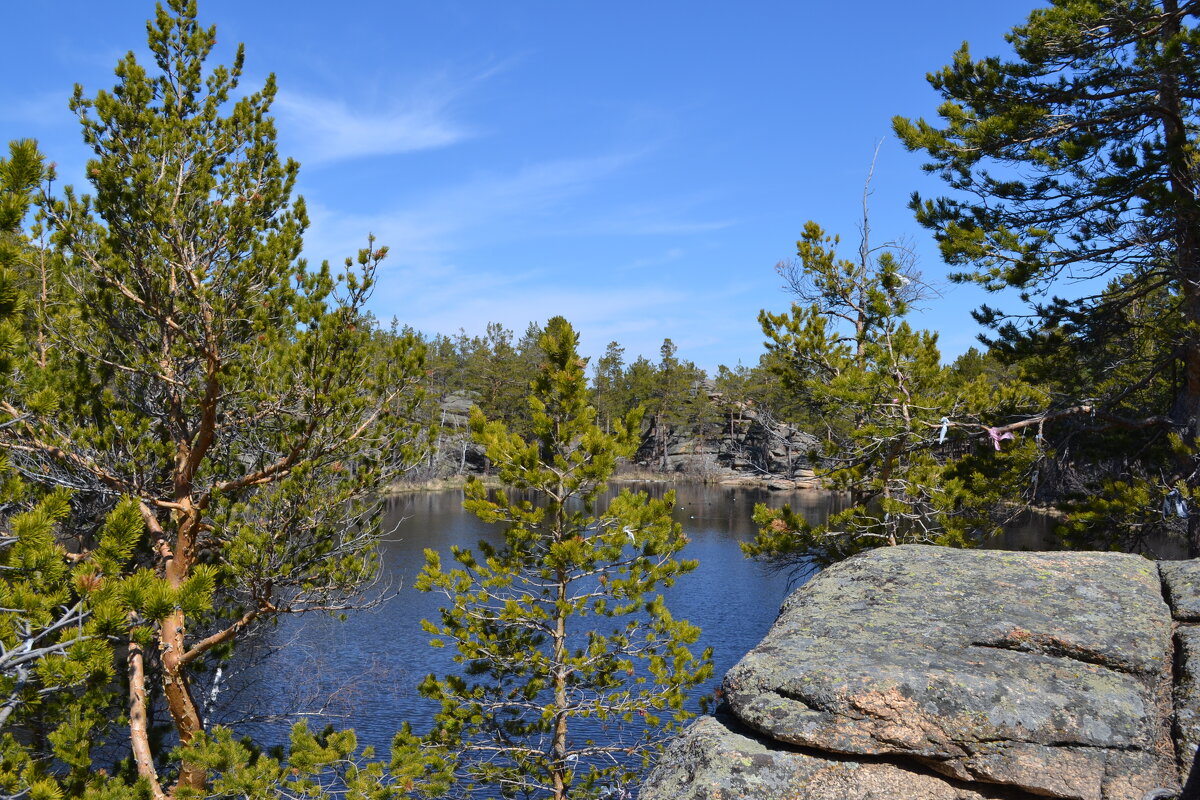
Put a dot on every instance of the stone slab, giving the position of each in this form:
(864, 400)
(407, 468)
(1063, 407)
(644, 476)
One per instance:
(1187, 692)
(715, 760)
(1046, 672)
(1181, 584)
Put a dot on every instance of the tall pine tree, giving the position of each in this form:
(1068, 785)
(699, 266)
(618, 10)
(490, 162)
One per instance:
(234, 392)
(561, 629)
(56, 656)
(1072, 169)
(896, 426)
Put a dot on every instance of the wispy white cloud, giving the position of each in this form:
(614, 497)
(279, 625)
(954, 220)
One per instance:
(329, 129)
(422, 117)
(483, 210)
(440, 276)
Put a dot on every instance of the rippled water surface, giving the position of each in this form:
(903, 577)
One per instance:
(363, 672)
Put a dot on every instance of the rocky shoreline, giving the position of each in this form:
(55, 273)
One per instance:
(805, 480)
(749, 449)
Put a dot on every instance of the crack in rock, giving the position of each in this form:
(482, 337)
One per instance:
(1020, 640)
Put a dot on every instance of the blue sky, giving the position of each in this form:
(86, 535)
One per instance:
(635, 167)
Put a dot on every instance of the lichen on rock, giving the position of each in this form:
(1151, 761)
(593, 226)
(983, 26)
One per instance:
(1045, 674)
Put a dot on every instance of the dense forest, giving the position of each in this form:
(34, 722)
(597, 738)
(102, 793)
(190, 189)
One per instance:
(687, 411)
(198, 425)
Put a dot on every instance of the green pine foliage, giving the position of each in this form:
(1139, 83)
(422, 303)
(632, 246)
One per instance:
(673, 389)
(319, 765)
(496, 372)
(20, 175)
(60, 610)
(561, 629)
(846, 351)
(493, 371)
(1072, 178)
(673, 393)
(607, 379)
(58, 662)
(238, 398)
(761, 388)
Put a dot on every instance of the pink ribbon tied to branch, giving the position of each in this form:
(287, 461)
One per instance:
(997, 436)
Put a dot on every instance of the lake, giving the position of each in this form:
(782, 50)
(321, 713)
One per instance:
(363, 672)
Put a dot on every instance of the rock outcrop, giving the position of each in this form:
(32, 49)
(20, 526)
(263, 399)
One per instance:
(742, 444)
(921, 672)
(746, 443)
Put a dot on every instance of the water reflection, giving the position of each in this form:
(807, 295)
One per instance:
(364, 671)
(1032, 531)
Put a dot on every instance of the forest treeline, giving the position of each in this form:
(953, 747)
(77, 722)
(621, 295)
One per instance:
(680, 400)
(683, 403)
(197, 424)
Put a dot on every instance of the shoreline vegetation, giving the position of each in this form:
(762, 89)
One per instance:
(630, 475)
(773, 483)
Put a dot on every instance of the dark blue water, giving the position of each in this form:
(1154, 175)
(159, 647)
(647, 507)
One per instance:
(363, 672)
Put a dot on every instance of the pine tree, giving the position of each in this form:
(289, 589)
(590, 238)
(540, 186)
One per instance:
(561, 628)
(496, 372)
(56, 663)
(608, 380)
(20, 176)
(1072, 168)
(701, 417)
(847, 352)
(233, 392)
(56, 653)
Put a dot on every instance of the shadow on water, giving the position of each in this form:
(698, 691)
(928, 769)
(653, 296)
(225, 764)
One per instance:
(1032, 531)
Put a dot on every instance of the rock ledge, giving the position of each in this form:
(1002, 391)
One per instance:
(922, 672)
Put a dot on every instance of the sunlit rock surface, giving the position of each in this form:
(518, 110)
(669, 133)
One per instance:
(921, 672)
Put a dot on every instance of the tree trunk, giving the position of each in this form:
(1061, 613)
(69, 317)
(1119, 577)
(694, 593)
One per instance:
(139, 726)
(558, 753)
(1173, 114)
(661, 435)
(184, 712)
(182, 706)
(1186, 416)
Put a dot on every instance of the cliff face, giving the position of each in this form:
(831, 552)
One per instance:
(920, 672)
(746, 443)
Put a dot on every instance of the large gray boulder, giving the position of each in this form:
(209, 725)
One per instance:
(921, 672)
(719, 758)
(1181, 582)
